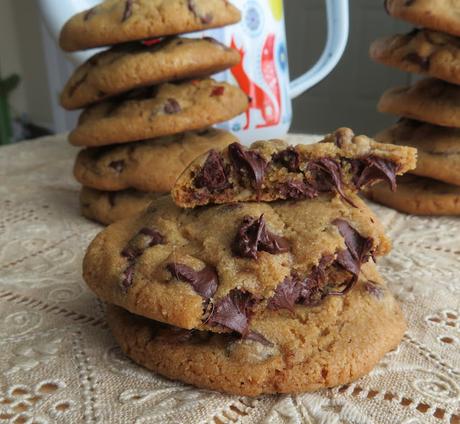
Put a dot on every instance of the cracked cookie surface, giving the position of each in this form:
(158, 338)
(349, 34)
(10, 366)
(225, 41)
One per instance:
(119, 21)
(158, 111)
(421, 51)
(191, 268)
(310, 349)
(273, 170)
(149, 165)
(133, 65)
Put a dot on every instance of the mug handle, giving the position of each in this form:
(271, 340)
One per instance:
(337, 38)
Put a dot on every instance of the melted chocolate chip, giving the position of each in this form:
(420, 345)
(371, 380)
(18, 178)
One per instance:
(358, 249)
(233, 312)
(171, 107)
(117, 165)
(286, 295)
(296, 189)
(112, 197)
(127, 278)
(153, 236)
(253, 236)
(128, 10)
(423, 62)
(371, 169)
(327, 175)
(313, 288)
(218, 91)
(288, 158)
(204, 282)
(248, 164)
(374, 289)
(212, 175)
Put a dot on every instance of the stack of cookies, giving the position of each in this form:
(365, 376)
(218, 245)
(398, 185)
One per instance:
(257, 274)
(149, 105)
(429, 109)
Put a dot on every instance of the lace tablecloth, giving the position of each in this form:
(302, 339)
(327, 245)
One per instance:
(59, 363)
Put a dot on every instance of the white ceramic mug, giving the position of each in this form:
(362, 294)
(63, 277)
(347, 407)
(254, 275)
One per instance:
(263, 72)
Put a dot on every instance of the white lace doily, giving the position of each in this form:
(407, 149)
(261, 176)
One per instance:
(59, 363)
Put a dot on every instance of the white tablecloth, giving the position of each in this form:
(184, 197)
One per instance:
(59, 363)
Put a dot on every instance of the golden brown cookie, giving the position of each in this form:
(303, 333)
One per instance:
(273, 170)
(120, 21)
(163, 110)
(129, 66)
(149, 165)
(428, 100)
(419, 196)
(187, 267)
(421, 51)
(308, 349)
(438, 148)
(107, 207)
(441, 15)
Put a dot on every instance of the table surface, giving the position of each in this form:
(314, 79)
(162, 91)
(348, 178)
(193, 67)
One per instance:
(59, 363)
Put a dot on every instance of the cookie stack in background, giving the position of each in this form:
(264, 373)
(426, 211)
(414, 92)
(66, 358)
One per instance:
(429, 110)
(270, 286)
(148, 102)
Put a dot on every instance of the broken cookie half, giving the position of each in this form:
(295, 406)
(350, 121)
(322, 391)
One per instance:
(273, 170)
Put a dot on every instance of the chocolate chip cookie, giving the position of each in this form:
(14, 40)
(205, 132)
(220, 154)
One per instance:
(421, 51)
(419, 196)
(438, 148)
(119, 21)
(158, 111)
(150, 165)
(440, 15)
(273, 170)
(309, 349)
(189, 267)
(107, 207)
(429, 100)
(133, 65)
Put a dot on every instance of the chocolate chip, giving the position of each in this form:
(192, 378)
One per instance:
(248, 164)
(358, 248)
(112, 198)
(289, 158)
(286, 295)
(172, 106)
(371, 169)
(131, 253)
(212, 175)
(374, 289)
(204, 282)
(313, 288)
(117, 165)
(127, 278)
(88, 15)
(296, 189)
(327, 175)
(154, 237)
(128, 10)
(218, 91)
(253, 236)
(423, 62)
(233, 312)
